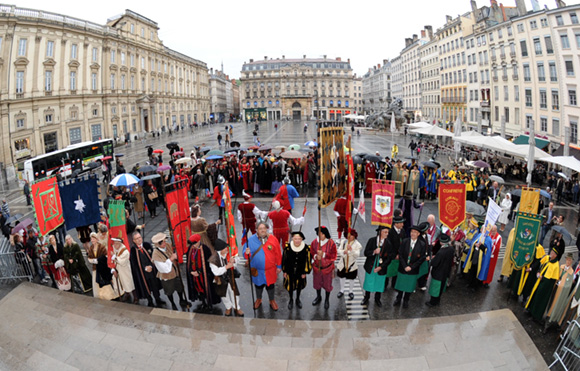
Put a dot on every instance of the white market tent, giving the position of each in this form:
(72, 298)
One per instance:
(499, 144)
(419, 125)
(569, 162)
(432, 130)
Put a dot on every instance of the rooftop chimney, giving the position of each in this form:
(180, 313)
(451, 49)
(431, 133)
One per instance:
(379, 66)
(338, 59)
(448, 18)
(474, 5)
(283, 57)
(348, 60)
(429, 31)
(385, 61)
(560, 4)
(423, 34)
(304, 56)
(521, 6)
(265, 57)
(251, 60)
(414, 37)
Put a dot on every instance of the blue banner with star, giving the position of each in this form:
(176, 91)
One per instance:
(80, 202)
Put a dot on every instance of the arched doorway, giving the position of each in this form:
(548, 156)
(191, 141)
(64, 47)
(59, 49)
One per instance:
(296, 111)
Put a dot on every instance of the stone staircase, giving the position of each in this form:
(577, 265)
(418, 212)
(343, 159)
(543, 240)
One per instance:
(46, 329)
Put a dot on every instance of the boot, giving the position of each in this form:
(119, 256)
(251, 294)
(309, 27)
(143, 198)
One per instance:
(318, 298)
(291, 303)
(326, 300)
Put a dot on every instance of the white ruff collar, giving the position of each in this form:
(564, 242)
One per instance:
(297, 248)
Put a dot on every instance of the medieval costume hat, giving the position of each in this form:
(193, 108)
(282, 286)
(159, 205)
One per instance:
(276, 205)
(424, 227)
(444, 238)
(220, 245)
(324, 231)
(287, 180)
(158, 238)
(194, 238)
(221, 179)
(298, 233)
(398, 219)
(381, 227)
(245, 195)
(417, 228)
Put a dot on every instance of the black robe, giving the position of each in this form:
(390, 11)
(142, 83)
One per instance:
(419, 254)
(265, 176)
(295, 264)
(196, 287)
(442, 263)
(145, 282)
(370, 257)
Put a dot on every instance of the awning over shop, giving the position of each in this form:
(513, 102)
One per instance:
(524, 139)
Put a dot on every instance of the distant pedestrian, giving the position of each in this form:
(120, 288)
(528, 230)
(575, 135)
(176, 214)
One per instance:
(219, 138)
(26, 190)
(5, 209)
(227, 140)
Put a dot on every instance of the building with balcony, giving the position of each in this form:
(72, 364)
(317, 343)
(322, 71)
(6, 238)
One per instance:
(397, 78)
(377, 87)
(297, 89)
(453, 65)
(411, 70)
(357, 94)
(430, 81)
(64, 81)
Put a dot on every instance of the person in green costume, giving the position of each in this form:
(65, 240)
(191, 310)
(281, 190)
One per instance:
(440, 269)
(412, 254)
(547, 277)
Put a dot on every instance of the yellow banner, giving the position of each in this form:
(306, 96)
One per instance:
(530, 200)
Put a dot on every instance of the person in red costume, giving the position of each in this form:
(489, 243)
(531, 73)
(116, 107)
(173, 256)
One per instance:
(370, 175)
(496, 244)
(246, 170)
(323, 251)
(278, 220)
(248, 212)
(265, 260)
(340, 212)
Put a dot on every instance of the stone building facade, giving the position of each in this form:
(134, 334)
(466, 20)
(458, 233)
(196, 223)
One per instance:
(296, 89)
(64, 81)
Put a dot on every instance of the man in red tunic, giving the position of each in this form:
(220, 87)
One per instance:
(248, 212)
(370, 175)
(340, 212)
(278, 220)
(323, 251)
(496, 245)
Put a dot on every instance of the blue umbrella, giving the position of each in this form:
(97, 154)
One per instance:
(214, 157)
(311, 144)
(124, 180)
(545, 194)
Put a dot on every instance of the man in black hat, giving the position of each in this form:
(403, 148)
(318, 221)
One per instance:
(396, 236)
(296, 264)
(412, 254)
(424, 270)
(440, 270)
(225, 283)
(376, 265)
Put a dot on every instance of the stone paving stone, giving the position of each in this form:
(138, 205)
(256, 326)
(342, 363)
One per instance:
(347, 365)
(41, 361)
(226, 362)
(407, 364)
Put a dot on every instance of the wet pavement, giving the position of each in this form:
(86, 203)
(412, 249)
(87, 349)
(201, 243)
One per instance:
(456, 301)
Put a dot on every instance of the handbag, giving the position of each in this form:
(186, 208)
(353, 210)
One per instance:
(153, 195)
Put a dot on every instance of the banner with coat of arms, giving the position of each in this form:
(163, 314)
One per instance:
(117, 227)
(47, 205)
(383, 204)
(526, 238)
(332, 164)
(451, 204)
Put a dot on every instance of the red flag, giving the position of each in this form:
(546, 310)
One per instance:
(229, 218)
(349, 190)
(179, 217)
(383, 202)
(47, 205)
(452, 204)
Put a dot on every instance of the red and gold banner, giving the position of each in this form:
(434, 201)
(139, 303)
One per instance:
(383, 204)
(349, 190)
(452, 197)
(230, 222)
(178, 217)
(47, 205)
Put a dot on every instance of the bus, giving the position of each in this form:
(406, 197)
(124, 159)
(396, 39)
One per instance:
(67, 160)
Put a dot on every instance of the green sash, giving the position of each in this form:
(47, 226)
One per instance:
(393, 268)
(406, 282)
(435, 287)
(424, 269)
(373, 281)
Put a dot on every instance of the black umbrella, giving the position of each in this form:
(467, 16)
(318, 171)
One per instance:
(76, 173)
(205, 149)
(357, 160)
(429, 164)
(13, 218)
(119, 154)
(171, 145)
(93, 165)
(151, 177)
(436, 163)
(362, 154)
(235, 144)
(147, 169)
(411, 157)
(373, 158)
(564, 232)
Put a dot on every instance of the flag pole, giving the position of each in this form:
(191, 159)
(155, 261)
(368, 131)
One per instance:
(303, 213)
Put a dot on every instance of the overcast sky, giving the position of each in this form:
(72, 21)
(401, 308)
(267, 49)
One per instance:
(234, 31)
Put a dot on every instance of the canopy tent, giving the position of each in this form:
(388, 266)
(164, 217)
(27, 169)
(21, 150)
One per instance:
(471, 134)
(524, 150)
(353, 116)
(523, 139)
(569, 162)
(432, 130)
(499, 144)
(419, 125)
